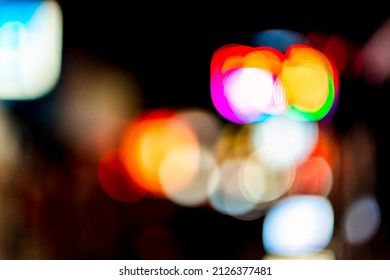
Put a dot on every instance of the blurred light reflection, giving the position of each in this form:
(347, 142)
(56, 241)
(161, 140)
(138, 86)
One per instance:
(361, 220)
(298, 225)
(30, 48)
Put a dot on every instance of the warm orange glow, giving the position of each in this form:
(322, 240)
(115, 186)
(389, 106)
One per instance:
(147, 144)
(305, 77)
(264, 58)
(326, 146)
(314, 176)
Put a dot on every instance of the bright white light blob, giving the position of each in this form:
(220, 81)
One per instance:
(298, 225)
(30, 48)
(262, 183)
(193, 191)
(285, 140)
(361, 220)
(251, 93)
(224, 193)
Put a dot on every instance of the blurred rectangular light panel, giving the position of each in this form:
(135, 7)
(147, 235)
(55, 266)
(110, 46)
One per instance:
(30, 48)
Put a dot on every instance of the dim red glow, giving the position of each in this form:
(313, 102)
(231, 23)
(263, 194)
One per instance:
(115, 180)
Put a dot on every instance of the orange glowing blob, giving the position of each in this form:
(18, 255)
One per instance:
(264, 58)
(327, 146)
(305, 76)
(153, 140)
(314, 176)
(179, 167)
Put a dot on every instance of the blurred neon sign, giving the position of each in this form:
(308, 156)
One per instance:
(250, 84)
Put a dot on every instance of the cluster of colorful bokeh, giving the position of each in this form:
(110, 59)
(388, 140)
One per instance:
(250, 84)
